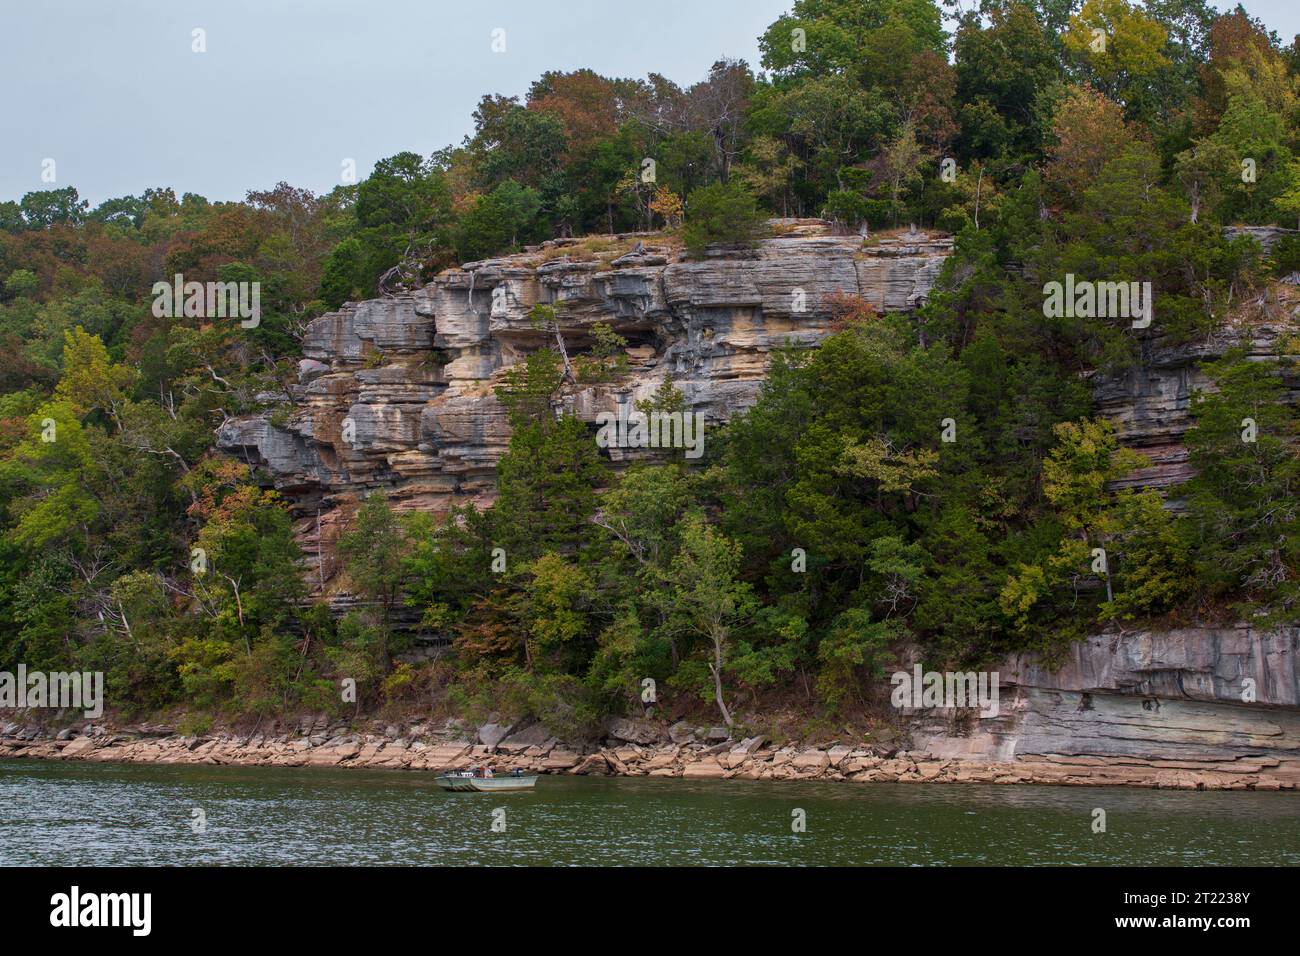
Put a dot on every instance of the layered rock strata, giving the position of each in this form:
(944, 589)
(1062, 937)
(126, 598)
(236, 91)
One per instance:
(1194, 708)
(1180, 699)
(398, 394)
(419, 747)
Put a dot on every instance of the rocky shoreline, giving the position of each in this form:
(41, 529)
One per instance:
(314, 743)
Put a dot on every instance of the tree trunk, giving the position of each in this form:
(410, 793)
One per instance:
(716, 669)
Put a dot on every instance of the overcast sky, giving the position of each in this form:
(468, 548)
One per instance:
(289, 89)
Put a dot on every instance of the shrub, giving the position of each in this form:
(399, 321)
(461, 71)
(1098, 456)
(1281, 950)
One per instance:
(847, 208)
(1286, 256)
(721, 213)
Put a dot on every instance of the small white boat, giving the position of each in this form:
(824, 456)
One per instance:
(468, 781)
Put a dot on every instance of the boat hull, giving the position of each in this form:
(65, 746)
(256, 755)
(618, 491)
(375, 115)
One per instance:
(458, 784)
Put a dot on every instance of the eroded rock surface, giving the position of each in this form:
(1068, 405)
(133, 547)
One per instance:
(398, 394)
(1194, 694)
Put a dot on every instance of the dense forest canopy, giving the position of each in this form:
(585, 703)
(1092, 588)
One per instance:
(1107, 139)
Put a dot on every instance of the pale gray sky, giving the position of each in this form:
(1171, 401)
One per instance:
(288, 89)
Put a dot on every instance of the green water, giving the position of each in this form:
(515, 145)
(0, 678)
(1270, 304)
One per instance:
(112, 814)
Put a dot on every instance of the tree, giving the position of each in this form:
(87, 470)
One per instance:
(1124, 49)
(374, 553)
(250, 582)
(404, 212)
(1252, 130)
(837, 34)
(1202, 171)
(515, 142)
(497, 222)
(1001, 71)
(51, 207)
(667, 205)
(832, 121)
(1243, 499)
(1088, 131)
(708, 600)
(50, 483)
(91, 382)
(546, 482)
(22, 283)
(717, 106)
(1243, 58)
(1086, 459)
(721, 213)
(585, 102)
(347, 275)
(1149, 559)
(558, 601)
(1288, 203)
(900, 162)
(769, 169)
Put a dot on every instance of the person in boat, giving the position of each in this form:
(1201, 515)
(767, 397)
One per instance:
(487, 771)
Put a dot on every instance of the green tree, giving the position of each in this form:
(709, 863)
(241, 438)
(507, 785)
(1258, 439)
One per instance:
(838, 34)
(374, 553)
(51, 207)
(708, 601)
(403, 211)
(721, 213)
(1243, 498)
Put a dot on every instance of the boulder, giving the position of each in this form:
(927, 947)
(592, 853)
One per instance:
(592, 765)
(78, 748)
(642, 732)
(706, 769)
(811, 761)
(491, 734)
(660, 760)
(681, 733)
(837, 755)
(560, 760)
(309, 369)
(534, 738)
(439, 758)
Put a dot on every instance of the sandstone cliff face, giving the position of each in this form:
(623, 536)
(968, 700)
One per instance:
(1194, 698)
(397, 393)
(1150, 403)
(1162, 709)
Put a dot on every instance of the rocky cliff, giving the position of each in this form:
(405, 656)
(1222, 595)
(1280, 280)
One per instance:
(397, 393)
(1194, 700)
(1150, 402)
(1194, 708)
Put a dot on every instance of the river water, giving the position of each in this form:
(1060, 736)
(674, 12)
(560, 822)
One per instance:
(113, 814)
